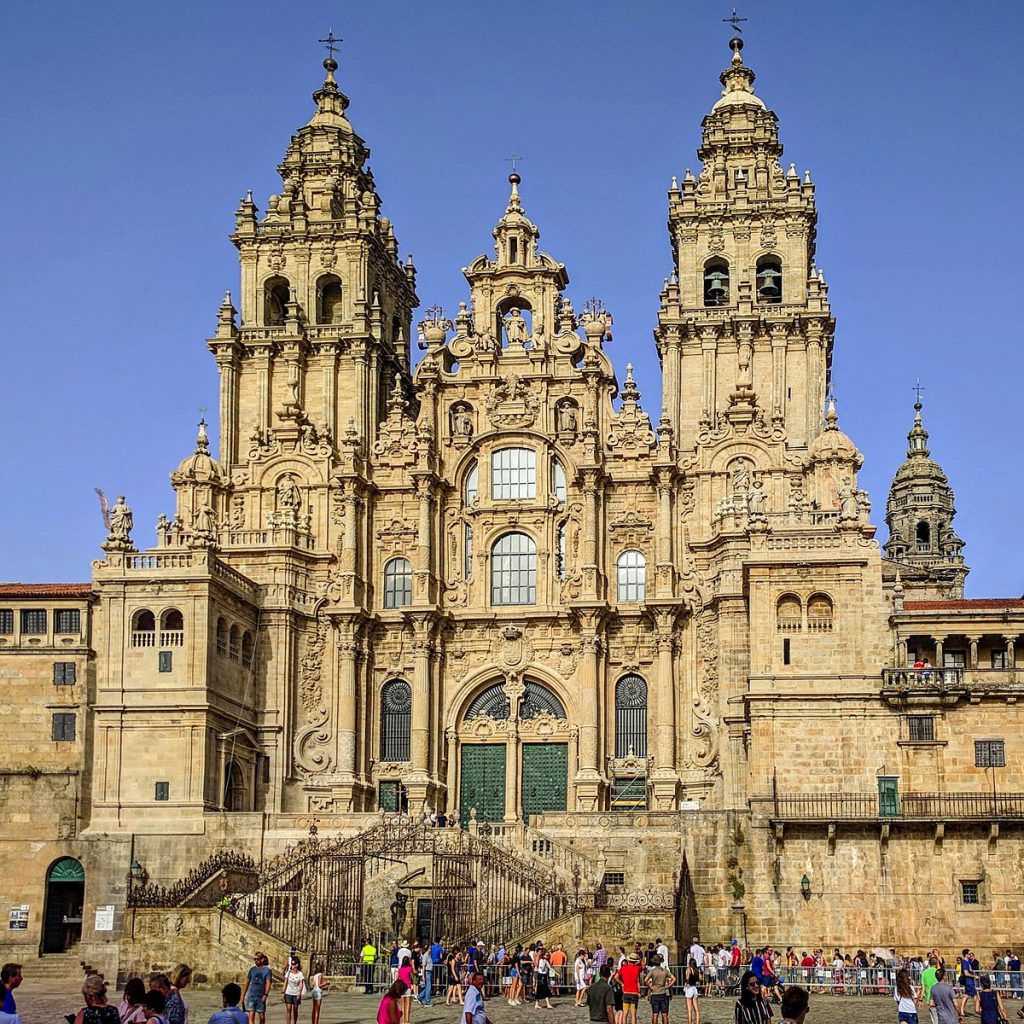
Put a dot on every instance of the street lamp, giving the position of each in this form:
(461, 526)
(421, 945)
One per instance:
(805, 887)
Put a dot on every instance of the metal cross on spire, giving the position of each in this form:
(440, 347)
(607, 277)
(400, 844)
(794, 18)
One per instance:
(331, 41)
(512, 158)
(735, 21)
(917, 389)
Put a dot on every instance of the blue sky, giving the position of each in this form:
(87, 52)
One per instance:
(132, 129)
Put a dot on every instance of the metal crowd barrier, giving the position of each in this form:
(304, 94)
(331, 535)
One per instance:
(852, 981)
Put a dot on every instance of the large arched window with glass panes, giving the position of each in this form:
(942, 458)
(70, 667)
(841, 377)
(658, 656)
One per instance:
(397, 583)
(395, 720)
(513, 474)
(514, 570)
(631, 577)
(631, 717)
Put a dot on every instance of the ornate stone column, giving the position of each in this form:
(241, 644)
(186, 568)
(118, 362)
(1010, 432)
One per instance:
(348, 653)
(419, 782)
(588, 778)
(665, 777)
(1010, 652)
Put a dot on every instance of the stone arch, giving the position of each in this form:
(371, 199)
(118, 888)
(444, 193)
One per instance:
(486, 676)
(276, 296)
(63, 904)
(329, 299)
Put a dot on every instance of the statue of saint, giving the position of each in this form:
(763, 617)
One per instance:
(567, 418)
(289, 498)
(202, 520)
(756, 502)
(849, 510)
(462, 421)
(121, 520)
(515, 327)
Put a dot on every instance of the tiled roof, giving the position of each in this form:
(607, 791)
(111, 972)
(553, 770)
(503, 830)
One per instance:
(45, 589)
(964, 605)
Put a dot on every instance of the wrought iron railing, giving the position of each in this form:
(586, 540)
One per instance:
(933, 676)
(905, 806)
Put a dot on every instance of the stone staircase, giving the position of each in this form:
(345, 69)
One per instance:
(67, 966)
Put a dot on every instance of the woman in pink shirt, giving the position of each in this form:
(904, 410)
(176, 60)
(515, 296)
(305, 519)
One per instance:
(407, 973)
(388, 1011)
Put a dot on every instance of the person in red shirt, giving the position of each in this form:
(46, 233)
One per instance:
(736, 957)
(629, 976)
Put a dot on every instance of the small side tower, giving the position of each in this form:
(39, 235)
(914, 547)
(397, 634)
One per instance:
(919, 513)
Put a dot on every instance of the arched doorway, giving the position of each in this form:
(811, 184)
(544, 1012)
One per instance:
(65, 897)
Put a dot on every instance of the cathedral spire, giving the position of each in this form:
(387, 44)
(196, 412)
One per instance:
(331, 102)
(737, 81)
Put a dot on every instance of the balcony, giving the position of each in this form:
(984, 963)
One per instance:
(933, 677)
(908, 807)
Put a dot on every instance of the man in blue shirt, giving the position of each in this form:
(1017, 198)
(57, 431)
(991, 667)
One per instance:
(231, 1013)
(257, 987)
(473, 1006)
(757, 965)
(10, 977)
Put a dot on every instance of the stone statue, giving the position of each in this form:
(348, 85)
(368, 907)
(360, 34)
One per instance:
(462, 421)
(121, 521)
(515, 327)
(289, 498)
(398, 912)
(741, 477)
(567, 418)
(849, 511)
(756, 502)
(202, 520)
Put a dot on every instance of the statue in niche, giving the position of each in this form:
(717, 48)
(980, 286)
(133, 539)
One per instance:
(567, 418)
(121, 521)
(515, 327)
(741, 477)
(849, 509)
(462, 421)
(289, 497)
(756, 502)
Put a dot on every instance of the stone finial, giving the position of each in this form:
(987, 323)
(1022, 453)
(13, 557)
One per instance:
(119, 537)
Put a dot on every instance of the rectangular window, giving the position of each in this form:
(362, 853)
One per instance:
(467, 552)
(629, 794)
(62, 728)
(998, 659)
(785, 651)
(33, 620)
(513, 474)
(954, 659)
(63, 673)
(164, 661)
(970, 893)
(614, 878)
(6, 621)
(989, 754)
(265, 770)
(162, 791)
(921, 728)
(67, 620)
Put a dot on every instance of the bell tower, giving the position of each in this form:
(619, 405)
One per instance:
(744, 330)
(326, 304)
(919, 514)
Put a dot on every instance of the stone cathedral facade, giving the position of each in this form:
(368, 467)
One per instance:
(491, 583)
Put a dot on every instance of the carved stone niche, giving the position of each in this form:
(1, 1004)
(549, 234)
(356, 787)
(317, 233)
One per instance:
(630, 766)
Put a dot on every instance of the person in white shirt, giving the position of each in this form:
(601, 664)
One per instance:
(663, 952)
(473, 1007)
(697, 952)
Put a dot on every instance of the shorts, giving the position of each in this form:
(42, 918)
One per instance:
(292, 1000)
(315, 994)
(256, 1003)
(907, 1018)
(659, 1004)
(969, 986)
(690, 991)
(630, 998)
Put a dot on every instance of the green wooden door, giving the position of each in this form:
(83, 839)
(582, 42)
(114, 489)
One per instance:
(483, 782)
(545, 776)
(888, 796)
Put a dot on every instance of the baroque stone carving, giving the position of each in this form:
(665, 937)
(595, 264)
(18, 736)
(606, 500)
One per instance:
(311, 754)
(704, 753)
(512, 403)
(511, 650)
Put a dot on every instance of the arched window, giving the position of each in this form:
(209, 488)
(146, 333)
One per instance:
(470, 486)
(143, 629)
(514, 570)
(923, 533)
(172, 628)
(467, 550)
(819, 613)
(558, 480)
(538, 699)
(631, 717)
(235, 644)
(789, 614)
(513, 474)
(234, 787)
(395, 720)
(397, 583)
(716, 283)
(631, 574)
(276, 296)
(328, 300)
(247, 647)
(769, 279)
(222, 638)
(492, 702)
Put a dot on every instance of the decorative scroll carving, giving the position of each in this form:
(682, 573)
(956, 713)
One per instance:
(512, 403)
(311, 756)
(705, 752)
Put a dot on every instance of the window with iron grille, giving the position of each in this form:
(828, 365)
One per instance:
(63, 673)
(970, 893)
(615, 878)
(561, 566)
(67, 620)
(33, 620)
(989, 754)
(164, 661)
(62, 727)
(631, 717)
(514, 570)
(921, 728)
(397, 583)
(395, 720)
(6, 621)
(631, 569)
(513, 474)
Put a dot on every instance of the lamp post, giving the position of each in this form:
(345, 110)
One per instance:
(805, 887)
(136, 879)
